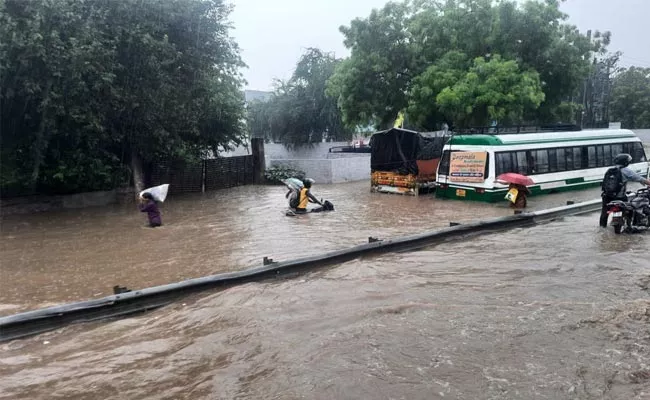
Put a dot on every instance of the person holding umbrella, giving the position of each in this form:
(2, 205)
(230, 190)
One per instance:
(517, 189)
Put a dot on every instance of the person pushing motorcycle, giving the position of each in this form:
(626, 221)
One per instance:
(614, 184)
(305, 197)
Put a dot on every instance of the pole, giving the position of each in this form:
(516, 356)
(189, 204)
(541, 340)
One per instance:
(259, 163)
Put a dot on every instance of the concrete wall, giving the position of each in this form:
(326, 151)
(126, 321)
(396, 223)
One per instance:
(276, 151)
(316, 161)
(351, 169)
(318, 170)
(334, 170)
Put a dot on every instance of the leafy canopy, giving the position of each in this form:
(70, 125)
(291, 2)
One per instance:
(405, 54)
(630, 102)
(87, 85)
(299, 112)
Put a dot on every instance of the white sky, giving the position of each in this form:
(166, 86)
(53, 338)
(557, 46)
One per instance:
(274, 34)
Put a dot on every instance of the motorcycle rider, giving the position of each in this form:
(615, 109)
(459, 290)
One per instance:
(614, 184)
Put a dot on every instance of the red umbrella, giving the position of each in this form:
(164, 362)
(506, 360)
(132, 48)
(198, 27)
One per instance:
(517, 179)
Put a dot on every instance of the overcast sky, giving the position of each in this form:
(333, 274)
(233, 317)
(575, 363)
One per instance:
(273, 34)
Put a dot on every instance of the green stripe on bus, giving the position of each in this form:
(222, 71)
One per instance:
(574, 180)
(488, 140)
(492, 196)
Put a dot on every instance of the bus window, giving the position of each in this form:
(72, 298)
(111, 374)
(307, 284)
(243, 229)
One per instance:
(573, 157)
(561, 159)
(607, 156)
(504, 163)
(600, 156)
(540, 161)
(553, 161)
(568, 156)
(637, 153)
(443, 168)
(522, 163)
(616, 150)
(577, 159)
(591, 157)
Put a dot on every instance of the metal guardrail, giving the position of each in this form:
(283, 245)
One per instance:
(123, 304)
(569, 209)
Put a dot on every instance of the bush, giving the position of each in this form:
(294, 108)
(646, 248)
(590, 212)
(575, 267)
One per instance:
(276, 174)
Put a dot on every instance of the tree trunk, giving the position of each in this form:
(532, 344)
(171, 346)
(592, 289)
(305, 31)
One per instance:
(259, 163)
(41, 141)
(138, 173)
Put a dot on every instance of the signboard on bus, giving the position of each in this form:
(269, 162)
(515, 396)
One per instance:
(467, 166)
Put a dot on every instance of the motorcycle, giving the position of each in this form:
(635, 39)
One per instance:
(326, 206)
(632, 215)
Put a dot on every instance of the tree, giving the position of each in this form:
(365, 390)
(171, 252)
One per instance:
(52, 77)
(299, 111)
(370, 86)
(400, 55)
(92, 90)
(494, 90)
(423, 106)
(178, 90)
(597, 91)
(630, 100)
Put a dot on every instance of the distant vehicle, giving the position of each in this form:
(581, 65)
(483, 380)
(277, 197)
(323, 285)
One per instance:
(350, 149)
(404, 161)
(557, 159)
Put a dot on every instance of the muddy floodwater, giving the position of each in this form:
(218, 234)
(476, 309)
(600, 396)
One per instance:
(555, 311)
(54, 257)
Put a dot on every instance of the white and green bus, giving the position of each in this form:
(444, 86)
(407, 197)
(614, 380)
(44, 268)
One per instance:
(555, 160)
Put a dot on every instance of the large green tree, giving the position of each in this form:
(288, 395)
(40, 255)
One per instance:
(370, 86)
(492, 90)
(300, 112)
(630, 99)
(93, 90)
(404, 55)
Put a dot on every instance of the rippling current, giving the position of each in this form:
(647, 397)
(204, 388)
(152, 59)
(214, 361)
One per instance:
(555, 311)
(54, 257)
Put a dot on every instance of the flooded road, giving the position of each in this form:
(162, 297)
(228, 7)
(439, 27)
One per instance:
(555, 311)
(54, 257)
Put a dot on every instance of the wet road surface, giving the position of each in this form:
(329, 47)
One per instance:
(555, 311)
(56, 257)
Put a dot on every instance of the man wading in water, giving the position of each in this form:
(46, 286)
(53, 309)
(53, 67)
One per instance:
(148, 205)
(305, 197)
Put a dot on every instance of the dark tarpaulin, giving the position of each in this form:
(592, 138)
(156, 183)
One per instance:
(431, 146)
(397, 150)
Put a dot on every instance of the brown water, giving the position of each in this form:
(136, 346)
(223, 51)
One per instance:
(50, 258)
(556, 311)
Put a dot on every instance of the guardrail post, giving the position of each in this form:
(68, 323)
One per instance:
(117, 289)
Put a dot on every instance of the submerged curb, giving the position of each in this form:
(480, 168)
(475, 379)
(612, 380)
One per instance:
(38, 321)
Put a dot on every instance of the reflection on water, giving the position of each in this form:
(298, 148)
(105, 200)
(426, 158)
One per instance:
(74, 255)
(554, 311)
